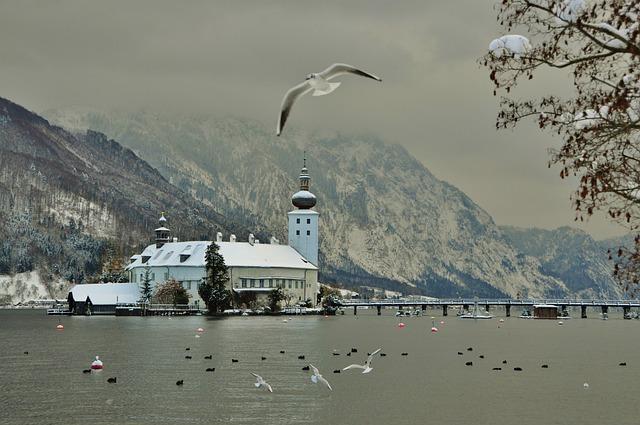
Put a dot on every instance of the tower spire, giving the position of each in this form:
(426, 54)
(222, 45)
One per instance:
(304, 199)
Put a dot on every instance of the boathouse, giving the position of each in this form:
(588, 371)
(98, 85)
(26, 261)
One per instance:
(545, 311)
(102, 298)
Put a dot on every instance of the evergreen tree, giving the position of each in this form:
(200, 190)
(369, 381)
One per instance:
(213, 290)
(275, 296)
(145, 287)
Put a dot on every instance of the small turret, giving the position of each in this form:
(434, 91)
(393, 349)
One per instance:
(304, 199)
(162, 232)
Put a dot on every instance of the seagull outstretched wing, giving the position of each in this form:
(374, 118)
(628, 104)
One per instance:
(342, 68)
(287, 103)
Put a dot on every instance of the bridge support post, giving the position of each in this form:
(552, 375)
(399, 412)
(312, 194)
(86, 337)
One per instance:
(379, 310)
(605, 309)
(583, 311)
(486, 307)
(508, 310)
(355, 310)
(563, 308)
(424, 307)
(445, 309)
(465, 307)
(625, 311)
(400, 307)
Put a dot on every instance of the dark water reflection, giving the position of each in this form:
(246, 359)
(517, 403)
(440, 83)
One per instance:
(430, 385)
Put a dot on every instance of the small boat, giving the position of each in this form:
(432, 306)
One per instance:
(475, 315)
(526, 314)
(57, 311)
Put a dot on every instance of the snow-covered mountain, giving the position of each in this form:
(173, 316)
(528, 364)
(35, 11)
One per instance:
(385, 219)
(65, 198)
(570, 255)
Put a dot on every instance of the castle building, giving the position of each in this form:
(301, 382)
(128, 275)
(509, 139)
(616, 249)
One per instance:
(254, 266)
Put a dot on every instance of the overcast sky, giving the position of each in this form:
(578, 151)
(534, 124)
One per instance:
(238, 58)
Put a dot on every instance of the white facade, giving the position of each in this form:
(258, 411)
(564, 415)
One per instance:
(253, 267)
(303, 233)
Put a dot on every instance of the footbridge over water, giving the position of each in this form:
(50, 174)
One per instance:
(563, 304)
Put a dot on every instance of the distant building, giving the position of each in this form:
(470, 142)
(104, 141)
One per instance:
(102, 298)
(253, 266)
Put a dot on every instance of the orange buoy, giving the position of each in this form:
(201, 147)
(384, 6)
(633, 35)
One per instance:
(401, 325)
(434, 330)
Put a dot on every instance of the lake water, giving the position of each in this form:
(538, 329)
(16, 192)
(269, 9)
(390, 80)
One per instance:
(431, 385)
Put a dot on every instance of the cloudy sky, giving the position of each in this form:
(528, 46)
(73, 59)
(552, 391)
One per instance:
(237, 58)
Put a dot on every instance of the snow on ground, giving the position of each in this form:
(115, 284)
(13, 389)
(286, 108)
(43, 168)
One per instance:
(28, 286)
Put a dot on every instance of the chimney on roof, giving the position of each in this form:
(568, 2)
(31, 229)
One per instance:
(175, 239)
(218, 237)
(232, 238)
(257, 241)
(252, 239)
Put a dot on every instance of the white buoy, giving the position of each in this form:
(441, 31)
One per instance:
(197, 336)
(96, 364)
(60, 327)
(561, 323)
(585, 386)
(284, 320)
(434, 330)
(501, 320)
(200, 330)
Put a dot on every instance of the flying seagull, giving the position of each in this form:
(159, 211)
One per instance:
(366, 366)
(317, 377)
(319, 83)
(260, 382)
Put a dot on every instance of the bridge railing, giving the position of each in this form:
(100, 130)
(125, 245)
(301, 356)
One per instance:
(497, 301)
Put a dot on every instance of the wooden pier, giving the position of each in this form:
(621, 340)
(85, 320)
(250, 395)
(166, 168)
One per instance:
(563, 304)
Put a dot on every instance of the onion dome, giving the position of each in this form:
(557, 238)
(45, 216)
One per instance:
(304, 199)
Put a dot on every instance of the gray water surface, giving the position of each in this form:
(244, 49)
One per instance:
(431, 385)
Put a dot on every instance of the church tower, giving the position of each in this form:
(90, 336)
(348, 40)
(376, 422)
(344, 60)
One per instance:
(162, 233)
(303, 221)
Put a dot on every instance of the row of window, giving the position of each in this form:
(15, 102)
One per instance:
(298, 221)
(298, 232)
(272, 283)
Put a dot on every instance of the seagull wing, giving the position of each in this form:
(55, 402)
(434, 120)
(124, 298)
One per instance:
(269, 387)
(355, 366)
(287, 103)
(315, 369)
(342, 68)
(371, 356)
(324, 381)
(259, 378)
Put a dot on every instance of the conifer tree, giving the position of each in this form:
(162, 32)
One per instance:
(213, 290)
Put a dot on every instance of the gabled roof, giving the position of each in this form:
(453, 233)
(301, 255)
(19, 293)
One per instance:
(235, 254)
(107, 293)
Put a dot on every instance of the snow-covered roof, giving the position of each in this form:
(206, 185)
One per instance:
(235, 254)
(107, 293)
(545, 306)
(161, 229)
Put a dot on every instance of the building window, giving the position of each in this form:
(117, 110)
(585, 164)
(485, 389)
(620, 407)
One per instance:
(262, 283)
(308, 232)
(308, 221)
(290, 284)
(270, 282)
(251, 283)
(166, 276)
(297, 221)
(244, 283)
(153, 277)
(298, 232)
(296, 284)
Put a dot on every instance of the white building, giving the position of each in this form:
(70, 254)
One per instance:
(253, 266)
